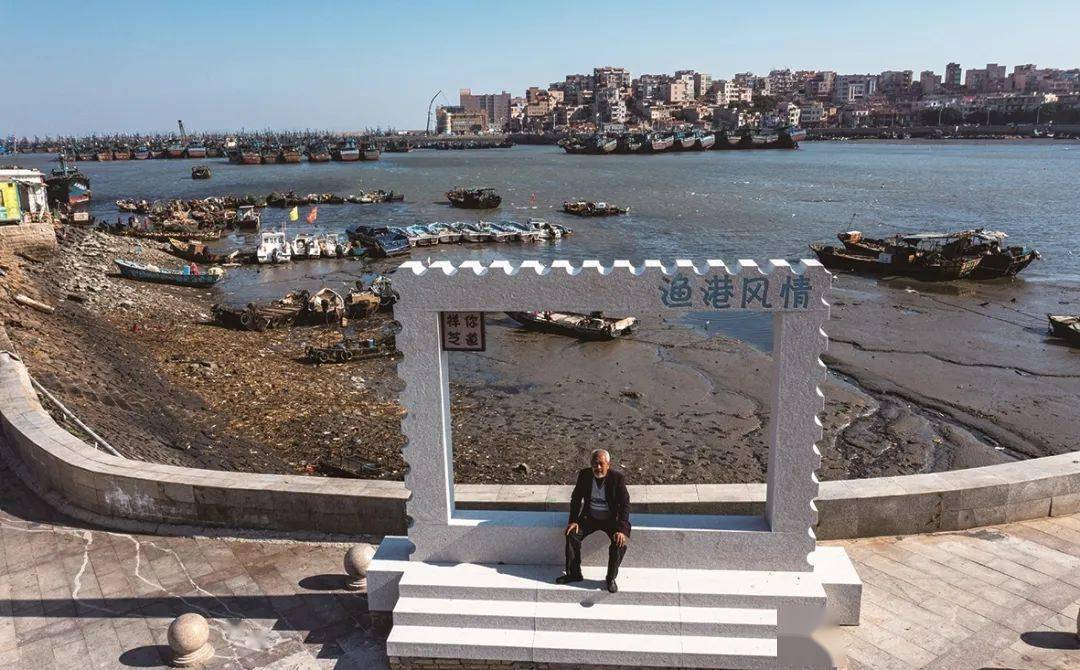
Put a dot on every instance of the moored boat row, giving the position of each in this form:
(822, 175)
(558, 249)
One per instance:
(692, 140)
(392, 241)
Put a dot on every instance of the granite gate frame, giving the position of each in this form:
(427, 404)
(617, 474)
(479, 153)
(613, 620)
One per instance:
(782, 539)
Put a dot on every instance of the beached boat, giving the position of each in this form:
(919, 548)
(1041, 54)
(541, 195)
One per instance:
(198, 252)
(505, 232)
(201, 172)
(306, 246)
(899, 262)
(995, 259)
(445, 233)
(525, 232)
(582, 208)
(347, 152)
(273, 248)
(497, 233)
(1065, 326)
(471, 232)
(189, 275)
(333, 246)
(474, 198)
(247, 217)
(380, 240)
(318, 153)
(420, 236)
(548, 231)
(67, 186)
(593, 326)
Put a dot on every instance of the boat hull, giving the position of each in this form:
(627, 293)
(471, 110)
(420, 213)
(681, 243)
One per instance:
(140, 273)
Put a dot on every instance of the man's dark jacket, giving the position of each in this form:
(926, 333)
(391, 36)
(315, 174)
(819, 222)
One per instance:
(618, 498)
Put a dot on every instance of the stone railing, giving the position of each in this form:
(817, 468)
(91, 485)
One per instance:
(134, 495)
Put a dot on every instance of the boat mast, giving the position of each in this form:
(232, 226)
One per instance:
(183, 135)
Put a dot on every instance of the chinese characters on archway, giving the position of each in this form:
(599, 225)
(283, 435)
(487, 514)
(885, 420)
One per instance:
(723, 291)
(462, 331)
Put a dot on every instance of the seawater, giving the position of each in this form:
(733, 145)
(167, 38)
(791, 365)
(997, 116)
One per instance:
(726, 205)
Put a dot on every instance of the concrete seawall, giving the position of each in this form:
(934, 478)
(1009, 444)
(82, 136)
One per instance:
(147, 497)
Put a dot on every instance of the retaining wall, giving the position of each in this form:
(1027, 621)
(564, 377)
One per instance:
(134, 495)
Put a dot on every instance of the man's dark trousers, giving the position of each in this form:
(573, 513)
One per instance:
(589, 526)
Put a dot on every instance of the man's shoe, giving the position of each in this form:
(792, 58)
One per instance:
(612, 587)
(568, 579)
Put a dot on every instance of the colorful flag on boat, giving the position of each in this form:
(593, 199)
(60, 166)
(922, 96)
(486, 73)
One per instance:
(312, 215)
(294, 214)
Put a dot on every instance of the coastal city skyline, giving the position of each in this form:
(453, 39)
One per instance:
(386, 79)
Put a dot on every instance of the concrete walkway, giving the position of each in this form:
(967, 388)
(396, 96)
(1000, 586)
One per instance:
(77, 597)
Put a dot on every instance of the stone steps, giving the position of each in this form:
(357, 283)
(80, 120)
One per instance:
(658, 618)
(613, 649)
(599, 618)
(637, 586)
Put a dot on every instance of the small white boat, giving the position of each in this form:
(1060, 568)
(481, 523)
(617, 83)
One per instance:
(471, 232)
(332, 245)
(525, 233)
(306, 246)
(422, 236)
(446, 234)
(273, 248)
(498, 234)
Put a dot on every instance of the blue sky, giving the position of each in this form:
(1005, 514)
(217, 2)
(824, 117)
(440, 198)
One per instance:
(137, 65)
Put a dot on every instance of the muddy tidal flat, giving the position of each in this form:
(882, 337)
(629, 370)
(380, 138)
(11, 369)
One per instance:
(921, 378)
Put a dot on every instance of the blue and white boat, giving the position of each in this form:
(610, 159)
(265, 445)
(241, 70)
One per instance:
(189, 275)
(420, 236)
(380, 240)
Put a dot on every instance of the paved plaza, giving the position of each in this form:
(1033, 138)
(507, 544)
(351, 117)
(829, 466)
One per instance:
(78, 597)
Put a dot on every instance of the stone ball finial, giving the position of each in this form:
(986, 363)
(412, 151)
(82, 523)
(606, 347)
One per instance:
(357, 561)
(189, 639)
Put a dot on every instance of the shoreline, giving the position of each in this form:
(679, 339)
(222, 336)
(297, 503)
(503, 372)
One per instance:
(137, 364)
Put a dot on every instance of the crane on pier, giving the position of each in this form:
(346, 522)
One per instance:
(429, 105)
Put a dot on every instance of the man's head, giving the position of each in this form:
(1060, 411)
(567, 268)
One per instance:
(601, 463)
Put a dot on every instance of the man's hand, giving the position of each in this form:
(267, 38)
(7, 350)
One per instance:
(620, 539)
(573, 528)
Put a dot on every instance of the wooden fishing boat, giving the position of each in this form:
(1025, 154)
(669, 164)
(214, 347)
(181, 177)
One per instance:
(198, 252)
(152, 273)
(141, 153)
(104, 155)
(318, 153)
(1065, 326)
(347, 152)
(250, 156)
(121, 154)
(196, 149)
(289, 155)
(593, 326)
(921, 266)
(995, 259)
(269, 155)
(582, 208)
(200, 172)
(370, 152)
(474, 198)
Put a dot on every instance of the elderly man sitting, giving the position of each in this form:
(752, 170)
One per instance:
(600, 502)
